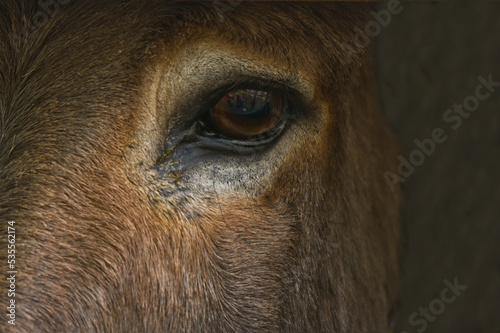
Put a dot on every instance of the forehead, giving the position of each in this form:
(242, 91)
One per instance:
(86, 36)
(83, 66)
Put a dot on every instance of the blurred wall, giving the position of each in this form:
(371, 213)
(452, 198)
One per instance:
(429, 58)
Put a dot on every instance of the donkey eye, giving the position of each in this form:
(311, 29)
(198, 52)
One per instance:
(248, 114)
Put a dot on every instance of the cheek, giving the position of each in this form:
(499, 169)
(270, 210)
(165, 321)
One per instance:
(239, 228)
(243, 235)
(228, 252)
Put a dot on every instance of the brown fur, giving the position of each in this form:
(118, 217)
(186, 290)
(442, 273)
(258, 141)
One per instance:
(86, 105)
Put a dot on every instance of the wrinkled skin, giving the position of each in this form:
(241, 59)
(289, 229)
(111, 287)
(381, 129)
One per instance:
(123, 226)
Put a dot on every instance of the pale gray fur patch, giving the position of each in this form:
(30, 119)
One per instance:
(187, 79)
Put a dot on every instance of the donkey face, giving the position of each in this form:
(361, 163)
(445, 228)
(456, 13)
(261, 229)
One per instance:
(188, 167)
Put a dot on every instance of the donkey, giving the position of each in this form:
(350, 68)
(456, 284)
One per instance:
(193, 167)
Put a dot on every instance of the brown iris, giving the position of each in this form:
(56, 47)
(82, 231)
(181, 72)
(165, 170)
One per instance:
(247, 113)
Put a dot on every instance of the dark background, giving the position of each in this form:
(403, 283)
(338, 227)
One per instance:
(428, 58)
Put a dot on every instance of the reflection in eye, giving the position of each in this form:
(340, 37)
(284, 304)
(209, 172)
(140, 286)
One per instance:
(247, 113)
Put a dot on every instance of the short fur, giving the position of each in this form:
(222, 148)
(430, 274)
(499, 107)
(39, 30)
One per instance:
(101, 247)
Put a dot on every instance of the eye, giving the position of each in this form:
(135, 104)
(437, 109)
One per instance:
(249, 114)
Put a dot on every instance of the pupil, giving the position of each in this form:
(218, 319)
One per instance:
(247, 113)
(249, 103)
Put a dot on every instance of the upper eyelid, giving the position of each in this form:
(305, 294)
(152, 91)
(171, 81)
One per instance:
(186, 84)
(253, 84)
